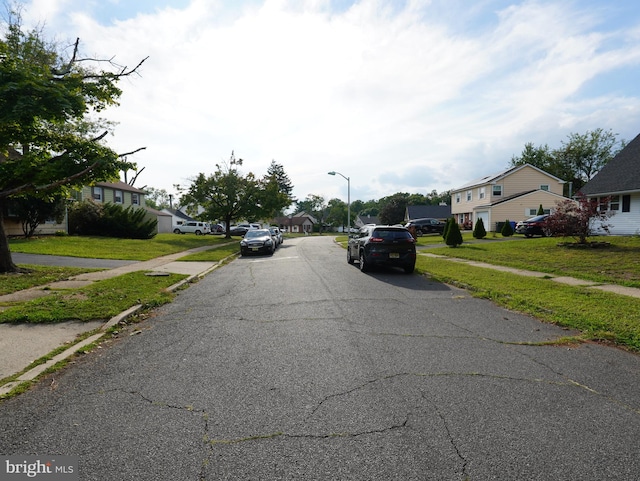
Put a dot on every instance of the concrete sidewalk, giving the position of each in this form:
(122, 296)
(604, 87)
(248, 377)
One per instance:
(21, 344)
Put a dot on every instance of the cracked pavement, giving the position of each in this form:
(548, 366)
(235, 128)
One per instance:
(298, 366)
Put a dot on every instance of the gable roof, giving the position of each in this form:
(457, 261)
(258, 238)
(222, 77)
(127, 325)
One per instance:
(423, 211)
(294, 220)
(620, 174)
(179, 214)
(515, 196)
(120, 186)
(368, 219)
(489, 179)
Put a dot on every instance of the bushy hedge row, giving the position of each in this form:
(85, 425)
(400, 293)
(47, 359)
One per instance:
(110, 220)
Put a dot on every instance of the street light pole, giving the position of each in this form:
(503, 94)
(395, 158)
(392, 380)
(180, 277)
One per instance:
(333, 172)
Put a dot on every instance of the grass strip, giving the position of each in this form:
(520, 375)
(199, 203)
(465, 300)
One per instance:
(598, 315)
(100, 300)
(214, 255)
(38, 276)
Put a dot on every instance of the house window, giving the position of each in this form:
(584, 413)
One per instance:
(135, 200)
(96, 193)
(458, 198)
(481, 192)
(117, 196)
(469, 196)
(497, 190)
(544, 187)
(533, 212)
(614, 202)
(626, 203)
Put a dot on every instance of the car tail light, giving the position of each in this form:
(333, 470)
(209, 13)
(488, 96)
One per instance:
(376, 239)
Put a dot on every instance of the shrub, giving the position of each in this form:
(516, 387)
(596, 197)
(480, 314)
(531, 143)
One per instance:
(507, 230)
(540, 210)
(84, 217)
(454, 237)
(110, 220)
(479, 232)
(129, 223)
(446, 228)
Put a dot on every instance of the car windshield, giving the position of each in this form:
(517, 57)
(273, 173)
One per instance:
(257, 233)
(537, 218)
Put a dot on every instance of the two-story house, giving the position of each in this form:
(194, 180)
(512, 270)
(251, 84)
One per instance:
(514, 194)
(115, 192)
(125, 195)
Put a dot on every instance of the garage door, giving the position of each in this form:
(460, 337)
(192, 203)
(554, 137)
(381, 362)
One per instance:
(484, 215)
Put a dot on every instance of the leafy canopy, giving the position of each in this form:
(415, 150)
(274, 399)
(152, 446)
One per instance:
(49, 138)
(229, 195)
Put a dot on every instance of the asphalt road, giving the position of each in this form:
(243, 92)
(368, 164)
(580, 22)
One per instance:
(299, 367)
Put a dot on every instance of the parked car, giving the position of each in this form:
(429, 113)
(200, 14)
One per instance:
(382, 245)
(192, 227)
(257, 241)
(534, 226)
(277, 235)
(427, 225)
(238, 230)
(217, 229)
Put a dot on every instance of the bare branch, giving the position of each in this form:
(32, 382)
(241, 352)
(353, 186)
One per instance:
(132, 152)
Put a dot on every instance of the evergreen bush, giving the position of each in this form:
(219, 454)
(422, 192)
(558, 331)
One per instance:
(110, 220)
(479, 232)
(454, 237)
(540, 210)
(507, 230)
(446, 228)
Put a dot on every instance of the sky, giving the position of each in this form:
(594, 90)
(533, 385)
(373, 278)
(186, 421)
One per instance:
(395, 95)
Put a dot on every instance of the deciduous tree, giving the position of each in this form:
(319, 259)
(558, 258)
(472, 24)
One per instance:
(227, 194)
(49, 137)
(579, 219)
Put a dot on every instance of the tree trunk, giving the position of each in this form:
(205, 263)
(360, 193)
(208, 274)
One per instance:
(6, 263)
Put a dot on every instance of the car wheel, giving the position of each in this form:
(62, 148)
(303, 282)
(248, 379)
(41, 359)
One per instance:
(409, 269)
(364, 267)
(528, 235)
(419, 233)
(350, 259)
(176, 231)
(198, 232)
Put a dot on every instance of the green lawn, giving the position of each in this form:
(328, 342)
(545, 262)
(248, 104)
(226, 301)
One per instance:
(618, 264)
(100, 300)
(111, 248)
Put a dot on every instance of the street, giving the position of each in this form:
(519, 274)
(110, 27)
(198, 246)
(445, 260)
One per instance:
(297, 366)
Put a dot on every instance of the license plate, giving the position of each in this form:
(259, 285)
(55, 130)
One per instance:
(254, 248)
(394, 255)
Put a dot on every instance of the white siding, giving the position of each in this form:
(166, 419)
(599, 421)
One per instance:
(627, 223)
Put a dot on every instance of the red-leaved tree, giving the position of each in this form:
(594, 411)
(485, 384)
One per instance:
(579, 219)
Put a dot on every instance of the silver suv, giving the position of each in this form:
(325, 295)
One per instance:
(192, 227)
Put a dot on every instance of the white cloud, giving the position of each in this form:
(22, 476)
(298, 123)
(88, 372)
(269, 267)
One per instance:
(410, 97)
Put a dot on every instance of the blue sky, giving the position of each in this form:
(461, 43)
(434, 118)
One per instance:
(400, 96)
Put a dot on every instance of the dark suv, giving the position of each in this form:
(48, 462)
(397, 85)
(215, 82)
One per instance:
(382, 245)
(426, 226)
